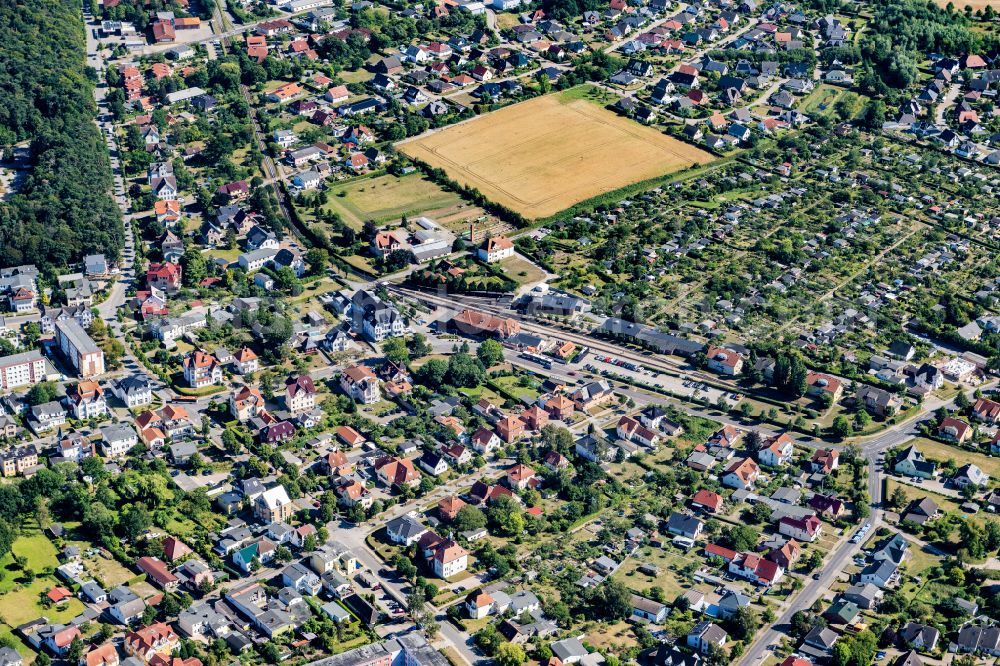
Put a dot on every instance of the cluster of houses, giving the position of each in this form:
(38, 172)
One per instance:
(717, 91)
(246, 612)
(959, 128)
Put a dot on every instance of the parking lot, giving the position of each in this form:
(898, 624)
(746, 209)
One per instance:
(682, 386)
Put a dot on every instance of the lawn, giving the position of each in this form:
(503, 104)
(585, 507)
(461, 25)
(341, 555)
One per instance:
(941, 452)
(357, 76)
(387, 198)
(617, 636)
(822, 99)
(521, 270)
(228, 255)
(511, 384)
(109, 571)
(668, 560)
(507, 20)
(36, 548)
(945, 504)
(479, 392)
(544, 155)
(19, 601)
(361, 263)
(921, 560)
(184, 527)
(22, 604)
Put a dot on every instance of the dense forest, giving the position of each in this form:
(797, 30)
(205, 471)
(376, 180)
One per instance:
(64, 208)
(908, 31)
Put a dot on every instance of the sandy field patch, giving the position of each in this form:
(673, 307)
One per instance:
(541, 156)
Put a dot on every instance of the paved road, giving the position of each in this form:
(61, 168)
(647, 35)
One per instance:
(872, 448)
(97, 60)
(945, 105)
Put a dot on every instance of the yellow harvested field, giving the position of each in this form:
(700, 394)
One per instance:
(976, 5)
(544, 155)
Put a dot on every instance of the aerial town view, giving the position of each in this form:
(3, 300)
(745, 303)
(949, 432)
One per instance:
(513, 332)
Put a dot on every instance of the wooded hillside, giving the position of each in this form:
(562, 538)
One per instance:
(64, 208)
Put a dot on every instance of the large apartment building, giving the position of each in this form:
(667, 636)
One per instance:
(18, 459)
(81, 351)
(27, 368)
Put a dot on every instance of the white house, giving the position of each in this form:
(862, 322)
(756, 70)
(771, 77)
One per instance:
(404, 530)
(118, 439)
(496, 249)
(450, 559)
(134, 391)
(246, 361)
(778, 452)
(705, 636)
(803, 529)
(257, 259)
(361, 384)
(307, 180)
(201, 370)
(285, 138)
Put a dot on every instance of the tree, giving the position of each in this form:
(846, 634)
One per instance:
(114, 351)
(740, 537)
(432, 373)
(761, 512)
(800, 624)
(419, 346)
(8, 534)
(469, 518)
(270, 652)
(557, 438)
(489, 639)
(41, 392)
(396, 351)
(505, 514)
(814, 561)
(317, 258)
(745, 623)
(195, 268)
(971, 538)
(464, 371)
(405, 567)
(135, 522)
(490, 353)
(75, 651)
(898, 499)
(874, 115)
(277, 333)
(509, 654)
(840, 427)
(416, 601)
(992, 536)
(962, 401)
(841, 653)
(426, 485)
(616, 599)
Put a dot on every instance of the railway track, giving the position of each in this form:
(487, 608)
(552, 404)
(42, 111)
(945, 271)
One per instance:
(651, 360)
(269, 167)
